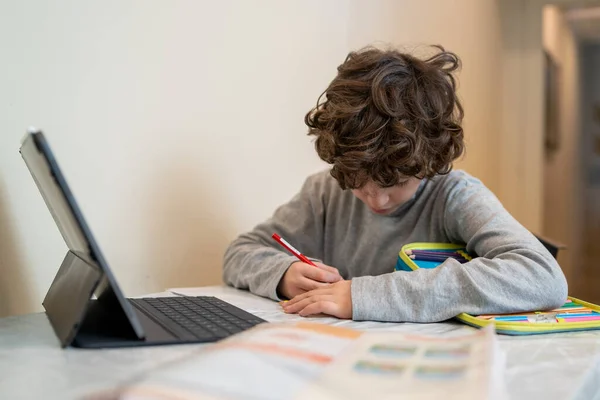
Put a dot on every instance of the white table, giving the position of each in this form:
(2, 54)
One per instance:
(32, 364)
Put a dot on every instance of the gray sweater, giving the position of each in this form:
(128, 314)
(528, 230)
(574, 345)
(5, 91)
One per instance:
(513, 273)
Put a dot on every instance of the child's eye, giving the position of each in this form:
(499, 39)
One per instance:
(403, 183)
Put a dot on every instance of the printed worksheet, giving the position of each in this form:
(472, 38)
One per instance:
(270, 361)
(395, 365)
(317, 361)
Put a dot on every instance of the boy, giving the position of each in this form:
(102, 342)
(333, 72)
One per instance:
(390, 126)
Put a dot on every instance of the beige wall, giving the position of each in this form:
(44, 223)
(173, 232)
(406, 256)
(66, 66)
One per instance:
(591, 135)
(562, 171)
(521, 141)
(180, 124)
(588, 275)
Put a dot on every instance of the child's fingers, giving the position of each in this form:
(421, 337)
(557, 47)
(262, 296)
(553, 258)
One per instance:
(320, 275)
(323, 290)
(309, 284)
(327, 268)
(321, 307)
(298, 306)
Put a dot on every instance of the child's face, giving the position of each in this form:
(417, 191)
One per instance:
(385, 201)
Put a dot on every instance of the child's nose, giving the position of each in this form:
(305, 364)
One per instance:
(379, 201)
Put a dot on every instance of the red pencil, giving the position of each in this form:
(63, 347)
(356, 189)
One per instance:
(292, 250)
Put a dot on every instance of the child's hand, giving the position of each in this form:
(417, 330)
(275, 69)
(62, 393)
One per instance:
(335, 299)
(301, 277)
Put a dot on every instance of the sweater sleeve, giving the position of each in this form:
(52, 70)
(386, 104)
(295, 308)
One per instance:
(256, 262)
(514, 272)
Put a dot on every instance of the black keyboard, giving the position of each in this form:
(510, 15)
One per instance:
(198, 318)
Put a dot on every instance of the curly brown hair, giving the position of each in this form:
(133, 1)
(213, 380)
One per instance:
(389, 115)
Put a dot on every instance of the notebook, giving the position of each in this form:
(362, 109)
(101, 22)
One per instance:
(573, 315)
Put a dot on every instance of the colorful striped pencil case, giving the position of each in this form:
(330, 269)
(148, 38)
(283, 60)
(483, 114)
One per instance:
(574, 315)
